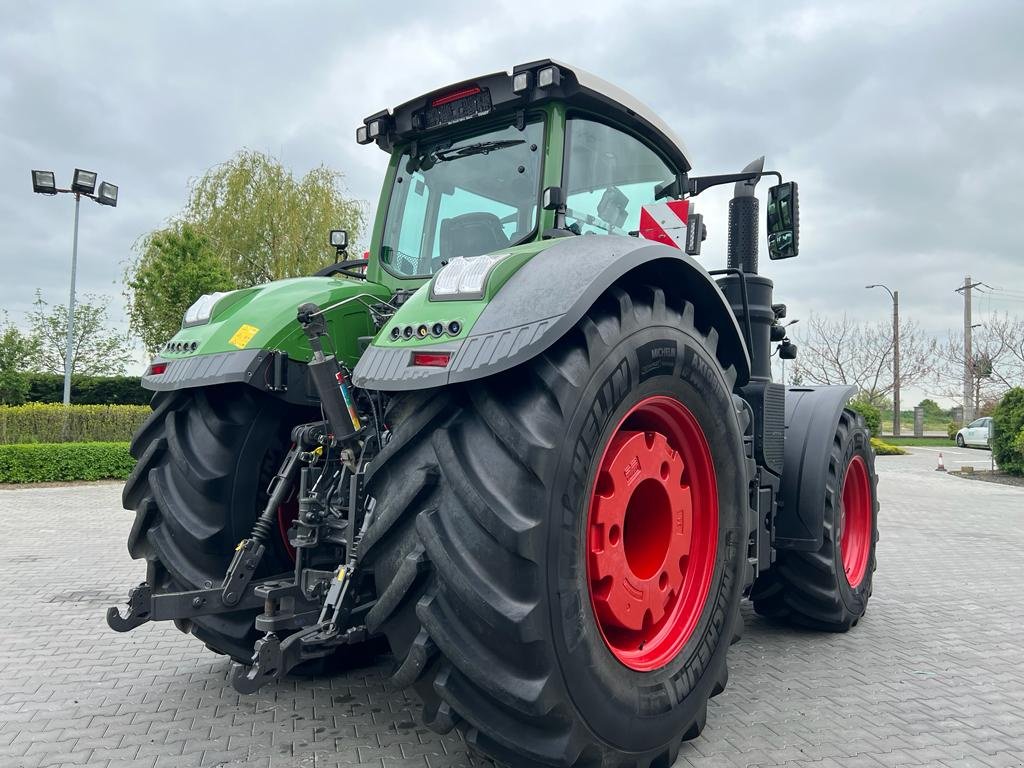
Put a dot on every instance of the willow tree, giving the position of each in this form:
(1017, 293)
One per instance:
(263, 223)
(247, 221)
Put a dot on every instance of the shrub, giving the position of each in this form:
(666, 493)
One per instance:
(872, 416)
(885, 449)
(1018, 442)
(59, 462)
(13, 387)
(951, 429)
(86, 390)
(46, 423)
(1008, 424)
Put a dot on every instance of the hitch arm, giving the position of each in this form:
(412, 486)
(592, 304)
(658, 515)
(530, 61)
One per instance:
(144, 606)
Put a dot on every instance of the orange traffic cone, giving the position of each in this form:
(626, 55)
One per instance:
(941, 467)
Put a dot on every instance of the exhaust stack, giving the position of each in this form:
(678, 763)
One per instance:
(743, 222)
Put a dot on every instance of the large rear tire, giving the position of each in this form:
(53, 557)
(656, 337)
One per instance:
(829, 589)
(507, 611)
(204, 459)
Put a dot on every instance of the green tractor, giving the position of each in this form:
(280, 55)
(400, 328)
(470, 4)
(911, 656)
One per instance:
(529, 441)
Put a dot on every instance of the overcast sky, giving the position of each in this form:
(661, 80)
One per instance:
(902, 121)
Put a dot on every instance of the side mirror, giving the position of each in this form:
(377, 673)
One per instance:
(783, 221)
(552, 199)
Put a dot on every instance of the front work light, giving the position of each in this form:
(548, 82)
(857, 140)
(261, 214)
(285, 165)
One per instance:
(44, 182)
(339, 239)
(464, 278)
(107, 194)
(84, 181)
(362, 137)
(200, 312)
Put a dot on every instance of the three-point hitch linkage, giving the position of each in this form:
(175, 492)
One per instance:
(320, 605)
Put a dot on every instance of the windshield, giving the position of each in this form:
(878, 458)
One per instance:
(463, 197)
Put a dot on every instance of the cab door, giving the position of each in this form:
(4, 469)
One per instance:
(609, 176)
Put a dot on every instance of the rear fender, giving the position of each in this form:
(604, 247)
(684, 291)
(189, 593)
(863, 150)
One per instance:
(544, 299)
(812, 416)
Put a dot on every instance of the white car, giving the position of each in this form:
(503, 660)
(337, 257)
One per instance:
(978, 433)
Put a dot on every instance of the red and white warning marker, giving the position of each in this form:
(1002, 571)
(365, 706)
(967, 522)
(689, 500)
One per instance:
(665, 222)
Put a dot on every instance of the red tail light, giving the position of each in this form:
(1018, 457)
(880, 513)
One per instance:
(431, 359)
(156, 369)
(455, 96)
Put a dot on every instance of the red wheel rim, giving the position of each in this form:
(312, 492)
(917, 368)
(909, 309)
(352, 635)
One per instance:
(652, 533)
(855, 521)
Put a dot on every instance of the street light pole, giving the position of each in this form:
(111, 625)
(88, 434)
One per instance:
(68, 355)
(83, 183)
(895, 296)
(896, 363)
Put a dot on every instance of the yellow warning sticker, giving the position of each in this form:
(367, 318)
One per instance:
(243, 336)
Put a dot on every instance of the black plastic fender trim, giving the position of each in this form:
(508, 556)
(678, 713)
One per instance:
(246, 366)
(812, 415)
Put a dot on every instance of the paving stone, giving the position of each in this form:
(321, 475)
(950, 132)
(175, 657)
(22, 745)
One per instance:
(934, 674)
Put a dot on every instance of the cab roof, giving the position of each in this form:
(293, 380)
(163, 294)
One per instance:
(527, 85)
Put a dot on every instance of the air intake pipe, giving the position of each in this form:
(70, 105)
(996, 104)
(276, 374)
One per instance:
(742, 256)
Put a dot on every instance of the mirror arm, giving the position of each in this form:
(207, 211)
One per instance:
(698, 184)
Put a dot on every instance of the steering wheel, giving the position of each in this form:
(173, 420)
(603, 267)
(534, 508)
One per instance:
(347, 268)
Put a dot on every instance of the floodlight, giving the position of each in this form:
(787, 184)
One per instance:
(44, 182)
(84, 181)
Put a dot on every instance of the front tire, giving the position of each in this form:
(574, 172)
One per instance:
(486, 551)
(960, 440)
(204, 459)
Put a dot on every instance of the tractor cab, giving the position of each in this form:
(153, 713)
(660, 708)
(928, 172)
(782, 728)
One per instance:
(470, 164)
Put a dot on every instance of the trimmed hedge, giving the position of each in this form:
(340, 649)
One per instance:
(883, 448)
(87, 390)
(60, 462)
(46, 423)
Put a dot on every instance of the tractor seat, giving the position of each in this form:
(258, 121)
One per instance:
(471, 234)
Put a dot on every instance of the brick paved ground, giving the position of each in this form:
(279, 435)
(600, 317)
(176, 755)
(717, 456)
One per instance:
(934, 675)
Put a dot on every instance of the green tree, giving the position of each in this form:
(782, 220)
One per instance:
(175, 267)
(17, 351)
(263, 223)
(1008, 429)
(97, 350)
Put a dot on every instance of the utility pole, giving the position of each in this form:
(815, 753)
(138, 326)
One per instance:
(968, 355)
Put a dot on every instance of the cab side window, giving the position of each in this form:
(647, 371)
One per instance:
(609, 177)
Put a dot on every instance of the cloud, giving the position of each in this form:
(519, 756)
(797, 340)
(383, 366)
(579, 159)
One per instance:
(901, 121)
